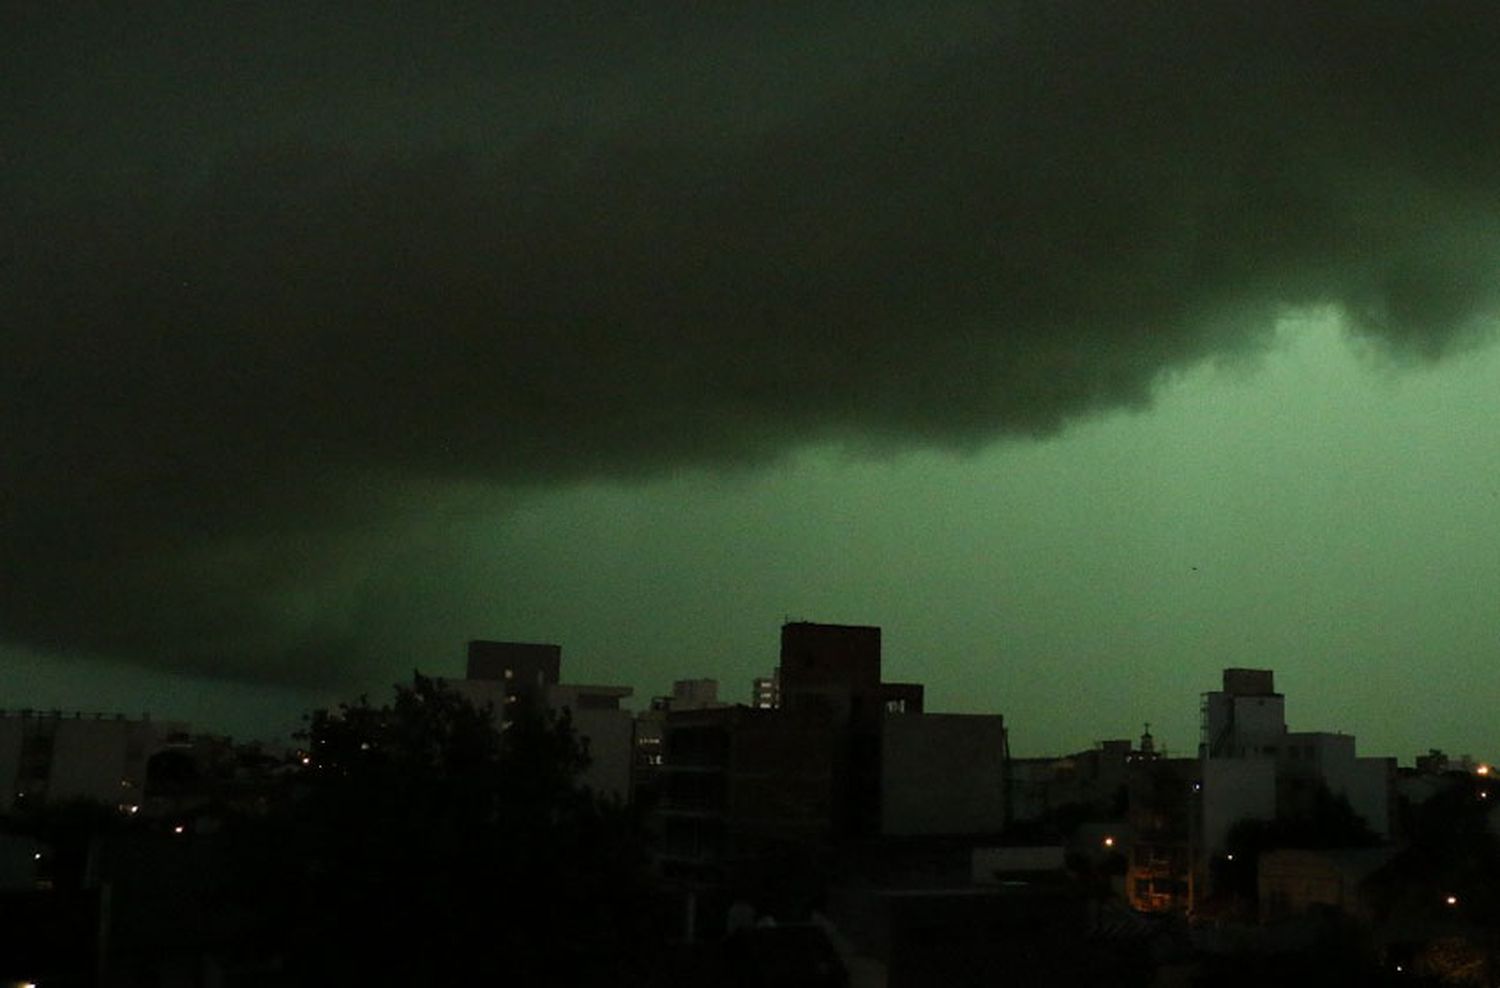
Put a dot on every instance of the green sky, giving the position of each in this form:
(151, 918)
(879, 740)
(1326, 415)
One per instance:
(335, 335)
(1318, 509)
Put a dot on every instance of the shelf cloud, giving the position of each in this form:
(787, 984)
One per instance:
(270, 273)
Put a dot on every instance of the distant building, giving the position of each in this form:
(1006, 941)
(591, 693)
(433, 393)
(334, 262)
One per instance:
(687, 694)
(1253, 768)
(53, 756)
(1256, 769)
(525, 670)
(832, 671)
(836, 667)
(506, 674)
(1435, 762)
(739, 784)
(693, 694)
(606, 728)
(1092, 782)
(765, 693)
(942, 774)
(834, 756)
(1163, 798)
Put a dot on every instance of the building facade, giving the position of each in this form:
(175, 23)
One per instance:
(505, 675)
(51, 756)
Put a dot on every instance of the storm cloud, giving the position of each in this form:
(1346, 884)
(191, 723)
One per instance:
(274, 279)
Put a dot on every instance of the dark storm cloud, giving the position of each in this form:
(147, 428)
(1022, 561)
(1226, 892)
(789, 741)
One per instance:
(271, 274)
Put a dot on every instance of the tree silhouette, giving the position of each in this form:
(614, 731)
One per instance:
(422, 845)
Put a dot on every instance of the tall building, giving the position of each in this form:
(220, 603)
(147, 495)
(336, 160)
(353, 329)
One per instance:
(1253, 768)
(835, 668)
(1246, 717)
(1164, 794)
(739, 785)
(524, 669)
(837, 755)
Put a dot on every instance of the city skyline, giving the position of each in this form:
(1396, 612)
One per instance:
(1086, 351)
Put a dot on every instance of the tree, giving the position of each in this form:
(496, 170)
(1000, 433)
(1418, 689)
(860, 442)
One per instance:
(1326, 821)
(422, 845)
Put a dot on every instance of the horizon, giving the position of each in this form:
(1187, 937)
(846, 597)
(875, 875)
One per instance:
(1085, 350)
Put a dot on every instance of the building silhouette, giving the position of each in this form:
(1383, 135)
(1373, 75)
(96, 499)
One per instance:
(509, 676)
(524, 669)
(52, 756)
(843, 760)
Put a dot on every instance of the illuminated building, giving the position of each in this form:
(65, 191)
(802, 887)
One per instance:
(765, 693)
(524, 670)
(687, 694)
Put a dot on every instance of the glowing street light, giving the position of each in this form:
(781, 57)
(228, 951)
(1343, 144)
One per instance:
(1451, 900)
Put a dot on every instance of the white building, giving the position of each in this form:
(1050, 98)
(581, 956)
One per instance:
(1255, 769)
(49, 756)
(608, 731)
